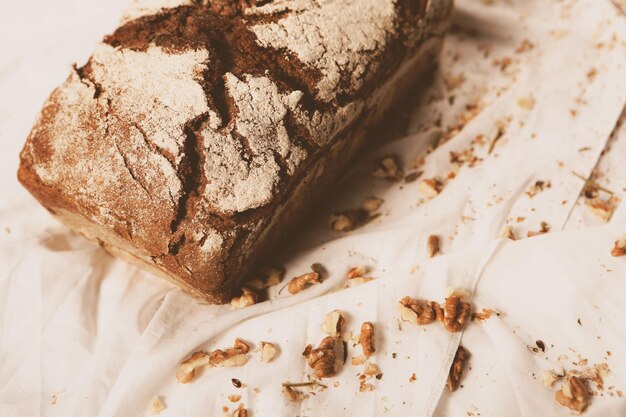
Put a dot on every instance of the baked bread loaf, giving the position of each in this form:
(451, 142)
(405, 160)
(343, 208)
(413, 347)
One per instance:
(199, 131)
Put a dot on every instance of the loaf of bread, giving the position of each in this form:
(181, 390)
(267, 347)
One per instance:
(200, 131)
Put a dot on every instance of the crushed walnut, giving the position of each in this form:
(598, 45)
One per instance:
(433, 246)
(323, 358)
(303, 281)
(268, 351)
(431, 187)
(419, 311)
(620, 247)
(293, 395)
(455, 313)
(574, 394)
(482, 315)
(247, 299)
(602, 208)
(234, 398)
(537, 187)
(545, 228)
(388, 168)
(156, 406)
(509, 233)
(270, 276)
(333, 323)
(235, 356)
(371, 204)
(456, 370)
(367, 339)
(347, 220)
(356, 276)
(240, 411)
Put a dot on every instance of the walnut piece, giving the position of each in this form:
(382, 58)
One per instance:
(156, 406)
(419, 311)
(333, 323)
(187, 370)
(347, 220)
(240, 411)
(620, 247)
(549, 378)
(431, 187)
(388, 168)
(228, 358)
(483, 315)
(602, 209)
(574, 394)
(456, 370)
(455, 313)
(371, 369)
(268, 351)
(371, 204)
(368, 339)
(234, 398)
(537, 187)
(293, 395)
(545, 228)
(508, 232)
(433, 245)
(356, 271)
(247, 299)
(301, 282)
(323, 358)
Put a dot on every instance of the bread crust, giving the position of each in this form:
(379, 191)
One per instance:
(197, 133)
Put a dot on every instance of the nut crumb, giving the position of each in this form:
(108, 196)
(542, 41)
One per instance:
(156, 406)
(323, 358)
(456, 370)
(419, 311)
(241, 411)
(301, 282)
(526, 103)
(537, 187)
(431, 187)
(348, 220)
(433, 246)
(187, 370)
(525, 46)
(368, 339)
(371, 204)
(601, 208)
(484, 314)
(455, 313)
(574, 394)
(247, 299)
(388, 168)
(620, 247)
(234, 398)
(333, 323)
(509, 233)
(545, 228)
(268, 351)
(549, 378)
(293, 395)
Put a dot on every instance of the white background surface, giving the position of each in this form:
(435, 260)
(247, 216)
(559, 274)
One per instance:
(103, 338)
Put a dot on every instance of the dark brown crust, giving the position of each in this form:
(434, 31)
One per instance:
(223, 30)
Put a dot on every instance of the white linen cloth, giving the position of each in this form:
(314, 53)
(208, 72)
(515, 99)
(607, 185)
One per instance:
(83, 334)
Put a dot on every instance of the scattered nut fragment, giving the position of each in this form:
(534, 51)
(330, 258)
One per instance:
(187, 370)
(371, 369)
(268, 351)
(156, 406)
(545, 228)
(526, 45)
(526, 103)
(323, 358)
(431, 187)
(388, 168)
(412, 176)
(293, 395)
(508, 232)
(549, 378)
(301, 282)
(574, 394)
(333, 323)
(356, 271)
(271, 277)
(455, 313)
(368, 339)
(601, 208)
(234, 398)
(240, 411)
(456, 370)
(433, 245)
(364, 387)
(241, 345)
(537, 187)
(419, 311)
(371, 204)
(347, 220)
(358, 360)
(483, 315)
(247, 299)
(620, 247)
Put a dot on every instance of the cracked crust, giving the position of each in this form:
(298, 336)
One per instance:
(198, 133)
